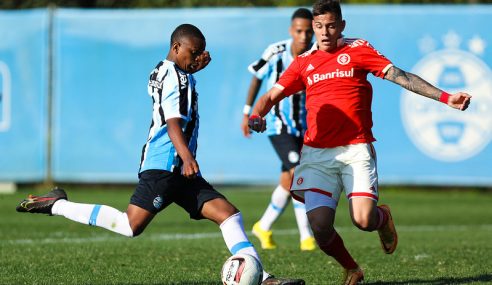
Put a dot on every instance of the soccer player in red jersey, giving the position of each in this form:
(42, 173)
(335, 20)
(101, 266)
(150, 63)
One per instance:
(338, 154)
(287, 124)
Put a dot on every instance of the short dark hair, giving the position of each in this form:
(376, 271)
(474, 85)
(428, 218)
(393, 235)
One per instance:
(302, 13)
(186, 30)
(321, 7)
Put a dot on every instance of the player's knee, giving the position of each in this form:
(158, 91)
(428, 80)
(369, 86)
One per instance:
(135, 233)
(224, 215)
(363, 223)
(320, 228)
(218, 210)
(135, 229)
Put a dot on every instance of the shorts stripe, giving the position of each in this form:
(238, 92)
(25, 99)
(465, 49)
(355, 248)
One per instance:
(296, 197)
(320, 191)
(363, 194)
(240, 245)
(301, 199)
(94, 214)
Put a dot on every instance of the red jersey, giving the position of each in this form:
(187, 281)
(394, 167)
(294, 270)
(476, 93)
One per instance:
(338, 95)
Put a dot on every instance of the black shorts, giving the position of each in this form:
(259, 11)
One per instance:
(158, 189)
(288, 149)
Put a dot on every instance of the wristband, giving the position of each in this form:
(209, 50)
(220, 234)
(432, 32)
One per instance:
(246, 109)
(252, 117)
(444, 97)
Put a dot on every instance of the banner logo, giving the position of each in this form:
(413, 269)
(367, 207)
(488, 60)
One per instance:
(437, 130)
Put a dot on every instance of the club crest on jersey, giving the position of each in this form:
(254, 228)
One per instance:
(343, 59)
(300, 180)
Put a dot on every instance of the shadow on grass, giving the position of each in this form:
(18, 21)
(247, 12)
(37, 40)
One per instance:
(182, 283)
(438, 281)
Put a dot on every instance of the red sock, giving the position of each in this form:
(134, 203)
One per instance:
(336, 249)
(383, 218)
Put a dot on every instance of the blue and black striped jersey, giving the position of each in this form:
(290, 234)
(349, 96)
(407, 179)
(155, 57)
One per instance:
(289, 115)
(174, 96)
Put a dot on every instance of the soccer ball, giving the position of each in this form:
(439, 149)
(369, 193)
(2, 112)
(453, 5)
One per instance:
(242, 269)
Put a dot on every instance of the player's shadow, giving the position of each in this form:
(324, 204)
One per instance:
(198, 283)
(182, 283)
(438, 281)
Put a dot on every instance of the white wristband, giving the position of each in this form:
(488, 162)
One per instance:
(246, 109)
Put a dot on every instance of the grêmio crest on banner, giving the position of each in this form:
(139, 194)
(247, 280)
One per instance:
(4, 97)
(441, 132)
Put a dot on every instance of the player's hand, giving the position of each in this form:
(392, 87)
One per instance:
(459, 101)
(202, 61)
(257, 123)
(245, 126)
(190, 168)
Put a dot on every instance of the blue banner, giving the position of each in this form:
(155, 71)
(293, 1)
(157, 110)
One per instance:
(102, 113)
(23, 95)
(104, 58)
(421, 141)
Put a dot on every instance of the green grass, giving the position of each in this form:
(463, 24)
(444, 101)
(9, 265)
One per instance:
(445, 237)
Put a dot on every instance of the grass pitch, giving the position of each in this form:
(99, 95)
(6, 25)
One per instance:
(445, 237)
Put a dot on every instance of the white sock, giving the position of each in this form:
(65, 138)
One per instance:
(302, 220)
(235, 238)
(278, 202)
(94, 215)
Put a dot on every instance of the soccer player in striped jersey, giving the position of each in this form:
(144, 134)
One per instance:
(286, 126)
(338, 154)
(168, 172)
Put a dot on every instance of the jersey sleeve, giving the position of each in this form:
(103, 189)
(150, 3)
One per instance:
(172, 99)
(373, 61)
(291, 80)
(165, 91)
(261, 67)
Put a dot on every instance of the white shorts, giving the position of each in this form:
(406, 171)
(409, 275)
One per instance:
(329, 171)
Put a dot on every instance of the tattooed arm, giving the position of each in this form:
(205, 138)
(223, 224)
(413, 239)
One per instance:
(418, 85)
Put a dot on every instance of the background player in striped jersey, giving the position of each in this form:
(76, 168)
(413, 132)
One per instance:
(168, 172)
(338, 154)
(287, 124)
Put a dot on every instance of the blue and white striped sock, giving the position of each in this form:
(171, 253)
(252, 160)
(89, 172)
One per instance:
(236, 240)
(235, 237)
(302, 220)
(94, 215)
(278, 202)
